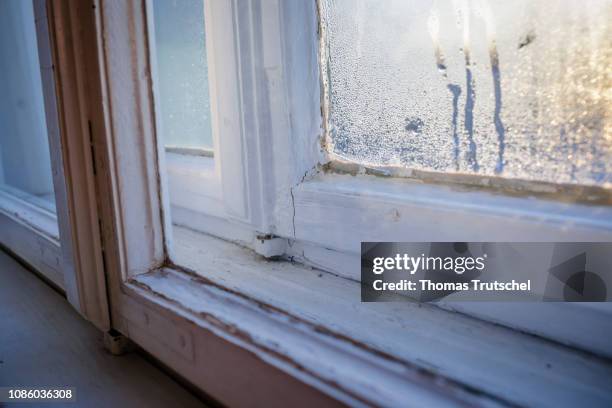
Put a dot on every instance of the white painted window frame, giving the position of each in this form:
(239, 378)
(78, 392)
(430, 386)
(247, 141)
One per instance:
(277, 135)
(274, 170)
(217, 335)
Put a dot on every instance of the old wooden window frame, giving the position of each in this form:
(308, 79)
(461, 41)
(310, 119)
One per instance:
(279, 181)
(204, 325)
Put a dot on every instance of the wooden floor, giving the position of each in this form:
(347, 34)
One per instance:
(44, 342)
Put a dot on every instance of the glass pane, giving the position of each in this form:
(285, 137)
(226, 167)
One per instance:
(182, 70)
(25, 166)
(512, 88)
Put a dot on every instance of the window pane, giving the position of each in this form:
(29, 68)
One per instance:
(514, 88)
(25, 166)
(182, 70)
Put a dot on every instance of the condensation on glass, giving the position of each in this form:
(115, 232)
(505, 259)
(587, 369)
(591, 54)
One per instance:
(25, 164)
(182, 73)
(518, 89)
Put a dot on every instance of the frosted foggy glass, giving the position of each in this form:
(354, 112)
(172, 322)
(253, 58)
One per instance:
(182, 71)
(517, 88)
(25, 163)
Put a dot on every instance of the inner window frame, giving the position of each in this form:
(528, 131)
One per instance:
(282, 143)
(278, 110)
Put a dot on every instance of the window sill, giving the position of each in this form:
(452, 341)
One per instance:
(311, 325)
(31, 232)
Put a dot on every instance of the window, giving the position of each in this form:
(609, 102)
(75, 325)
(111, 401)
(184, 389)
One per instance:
(28, 219)
(257, 246)
(484, 111)
(25, 164)
(449, 93)
(185, 119)
(182, 76)
(510, 89)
